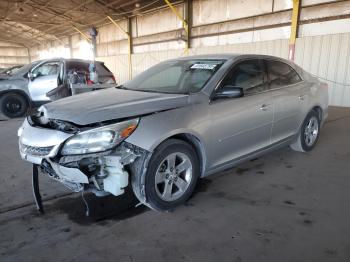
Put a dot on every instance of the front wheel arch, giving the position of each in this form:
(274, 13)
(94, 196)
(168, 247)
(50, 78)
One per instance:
(138, 169)
(198, 146)
(170, 146)
(19, 92)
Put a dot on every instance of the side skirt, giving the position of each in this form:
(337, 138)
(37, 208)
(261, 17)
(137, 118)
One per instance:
(260, 152)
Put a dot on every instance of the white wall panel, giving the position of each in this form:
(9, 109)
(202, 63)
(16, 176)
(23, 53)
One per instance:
(314, 2)
(282, 5)
(327, 10)
(160, 21)
(244, 37)
(328, 57)
(110, 33)
(203, 10)
(118, 64)
(325, 28)
(11, 55)
(171, 45)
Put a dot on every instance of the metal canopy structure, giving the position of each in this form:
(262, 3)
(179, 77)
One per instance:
(32, 22)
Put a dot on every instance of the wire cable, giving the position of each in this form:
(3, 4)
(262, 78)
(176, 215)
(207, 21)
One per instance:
(87, 213)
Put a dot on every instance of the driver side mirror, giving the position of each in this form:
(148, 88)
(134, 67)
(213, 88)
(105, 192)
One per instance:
(229, 91)
(31, 76)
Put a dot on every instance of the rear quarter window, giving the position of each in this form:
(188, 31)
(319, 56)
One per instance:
(104, 74)
(281, 74)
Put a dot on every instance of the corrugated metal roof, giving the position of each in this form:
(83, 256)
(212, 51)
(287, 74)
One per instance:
(31, 22)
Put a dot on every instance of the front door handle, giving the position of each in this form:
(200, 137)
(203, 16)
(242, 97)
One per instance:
(264, 107)
(301, 97)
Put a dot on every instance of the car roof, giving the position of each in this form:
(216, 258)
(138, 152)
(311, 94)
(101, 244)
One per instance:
(66, 59)
(209, 56)
(234, 56)
(220, 56)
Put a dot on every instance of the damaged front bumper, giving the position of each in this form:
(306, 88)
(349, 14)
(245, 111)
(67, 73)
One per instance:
(101, 173)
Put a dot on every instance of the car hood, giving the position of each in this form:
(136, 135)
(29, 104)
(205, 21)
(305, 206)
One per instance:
(110, 104)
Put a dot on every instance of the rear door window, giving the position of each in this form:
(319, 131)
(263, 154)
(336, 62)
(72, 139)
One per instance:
(280, 74)
(249, 75)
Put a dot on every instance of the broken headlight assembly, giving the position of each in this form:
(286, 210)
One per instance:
(99, 139)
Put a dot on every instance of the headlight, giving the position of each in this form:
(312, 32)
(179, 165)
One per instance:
(99, 139)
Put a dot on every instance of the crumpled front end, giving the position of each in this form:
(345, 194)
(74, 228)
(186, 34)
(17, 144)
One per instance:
(41, 142)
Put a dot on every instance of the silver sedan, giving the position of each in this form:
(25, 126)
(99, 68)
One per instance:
(176, 122)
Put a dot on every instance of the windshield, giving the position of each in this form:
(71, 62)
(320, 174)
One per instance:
(10, 70)
(180, 77)
(25, 69)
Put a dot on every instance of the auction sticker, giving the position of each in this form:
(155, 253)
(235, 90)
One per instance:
(204, 66)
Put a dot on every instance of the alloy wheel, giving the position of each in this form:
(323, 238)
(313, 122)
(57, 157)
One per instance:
(173, 176)
(311, 131)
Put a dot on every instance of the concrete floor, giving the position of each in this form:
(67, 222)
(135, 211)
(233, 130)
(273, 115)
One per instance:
(285, 206)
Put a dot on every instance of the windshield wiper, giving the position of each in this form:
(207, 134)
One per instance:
(121, 87)
(159, 92)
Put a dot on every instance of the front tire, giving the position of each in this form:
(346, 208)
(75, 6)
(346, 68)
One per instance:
(172, 175)
(308, 134)
(13, 105)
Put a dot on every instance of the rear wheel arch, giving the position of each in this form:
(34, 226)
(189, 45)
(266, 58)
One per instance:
(299, 144)
(319, 111)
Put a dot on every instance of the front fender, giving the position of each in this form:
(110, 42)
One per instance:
(156, 128)
(14, 84)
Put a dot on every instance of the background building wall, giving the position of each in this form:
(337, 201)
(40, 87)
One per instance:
(246, 26)
(12, 54)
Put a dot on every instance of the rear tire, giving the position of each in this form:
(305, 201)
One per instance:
(13, 105)
(308, 134)
(172, 175)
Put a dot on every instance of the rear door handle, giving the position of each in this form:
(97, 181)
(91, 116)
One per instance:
(301, 97)
(264, 107)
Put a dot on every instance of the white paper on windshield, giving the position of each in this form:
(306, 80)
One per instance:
(203, 66)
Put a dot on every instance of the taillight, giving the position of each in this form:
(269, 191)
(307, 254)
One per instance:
(113, 77)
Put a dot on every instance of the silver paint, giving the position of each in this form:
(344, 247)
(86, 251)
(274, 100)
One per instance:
(227, 131)
(35, 90)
